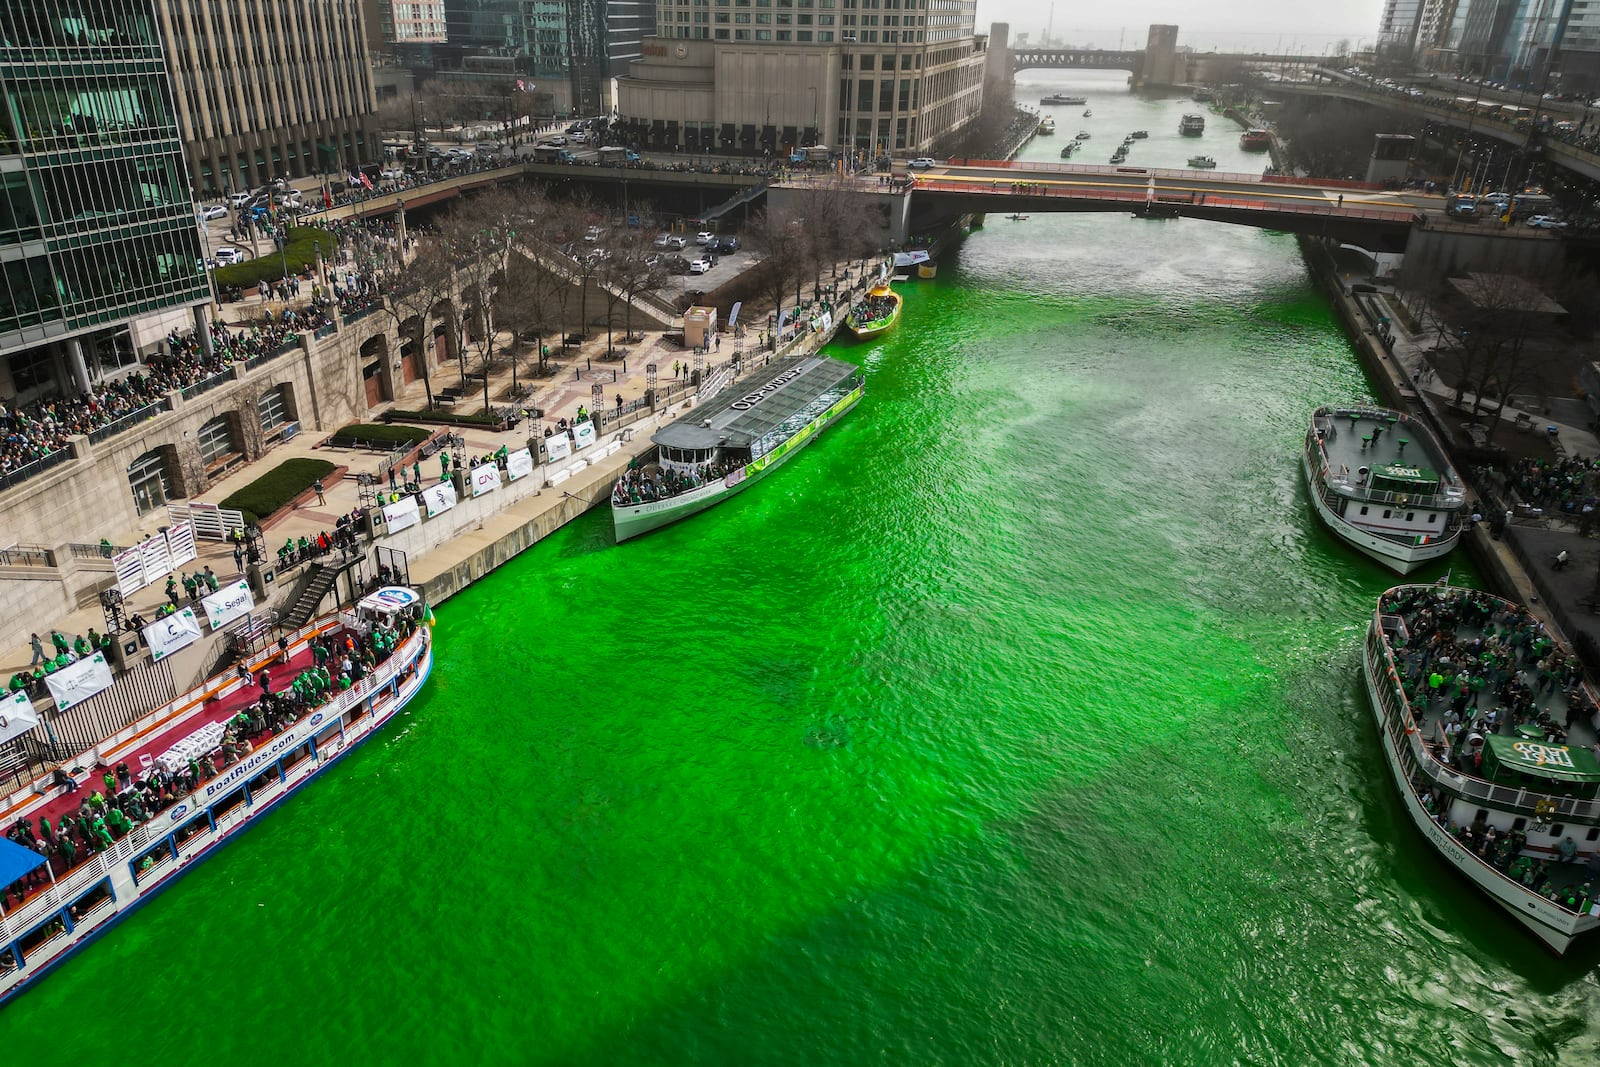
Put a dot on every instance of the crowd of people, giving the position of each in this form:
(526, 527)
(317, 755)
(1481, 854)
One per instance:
(32, 679)
(110, 809)
(1495, 680)
(643, 485)
(1565, 484)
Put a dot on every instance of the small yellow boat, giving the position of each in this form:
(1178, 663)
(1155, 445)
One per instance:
(875, 313)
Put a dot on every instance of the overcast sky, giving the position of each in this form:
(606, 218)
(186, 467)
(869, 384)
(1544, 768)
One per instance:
(1241, 25)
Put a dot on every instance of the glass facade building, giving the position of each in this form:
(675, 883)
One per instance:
(97, 224)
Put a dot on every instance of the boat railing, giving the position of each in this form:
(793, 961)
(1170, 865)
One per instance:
(1403, 728)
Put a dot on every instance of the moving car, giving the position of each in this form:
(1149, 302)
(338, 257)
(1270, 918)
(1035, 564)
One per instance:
(239, 199)
(923, 163)
(1546, 222)
(215, 211)
(227, 255)
(558, 140)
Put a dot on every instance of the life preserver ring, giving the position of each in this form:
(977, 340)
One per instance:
(1545, 807)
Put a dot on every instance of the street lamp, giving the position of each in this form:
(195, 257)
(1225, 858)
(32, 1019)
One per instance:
(816, 134)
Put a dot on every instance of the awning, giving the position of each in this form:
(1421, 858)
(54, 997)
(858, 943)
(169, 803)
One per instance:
(16, 861)
(1537, 759)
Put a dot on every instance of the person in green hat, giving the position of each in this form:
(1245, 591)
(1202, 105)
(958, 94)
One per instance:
(82, 646)
(444, 466)
(416, 472)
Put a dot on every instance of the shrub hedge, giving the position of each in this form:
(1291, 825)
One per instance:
(382, 433)
(301, 255)
(449, 418)
(277, 487)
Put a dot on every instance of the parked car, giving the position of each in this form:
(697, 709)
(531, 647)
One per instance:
(393, 174)
(723, 245)
(227, 255)
(699, 266)
(704, 237)
(239, 199)
(1546, 222)
(592, 234)
(923, 163)
(673, 241)
(215, 211)
(558, 140)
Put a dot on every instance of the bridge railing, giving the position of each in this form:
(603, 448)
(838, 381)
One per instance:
(1172, 197)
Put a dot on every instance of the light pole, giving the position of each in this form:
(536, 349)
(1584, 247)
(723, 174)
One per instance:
(816, 134)
(770, 145)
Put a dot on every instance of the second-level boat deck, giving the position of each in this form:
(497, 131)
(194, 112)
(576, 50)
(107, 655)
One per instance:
(1371, 451)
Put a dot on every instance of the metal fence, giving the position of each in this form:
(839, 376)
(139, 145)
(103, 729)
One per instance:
(205, 385)
(17, 475)
(111, 429)
(27, 556)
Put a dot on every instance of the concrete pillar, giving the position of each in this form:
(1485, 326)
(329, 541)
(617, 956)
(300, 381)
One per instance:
(400, 225)
(77, 366)
(202, 328)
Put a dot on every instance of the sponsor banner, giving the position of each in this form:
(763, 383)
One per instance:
(17, 716)
(733, 316)
(485, 479)
(74, 684)
(519, 464)
(166, 635)
(402, 515)
(231, 602)
(558, 447)
(441, 498)
(582, 435)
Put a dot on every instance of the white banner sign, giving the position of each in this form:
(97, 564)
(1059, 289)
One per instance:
(180, 543)
(519, 464)
(79, 681)
(485, 479)
(441, 498)
(157, 557)
(558, 447)
(17, 716)
(228, 603)
(401, 515)
(583, 435)
(168, 634)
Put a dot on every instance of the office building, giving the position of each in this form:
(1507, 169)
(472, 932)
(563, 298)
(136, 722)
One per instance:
(757, 76)
(97, 226)
(266, 88)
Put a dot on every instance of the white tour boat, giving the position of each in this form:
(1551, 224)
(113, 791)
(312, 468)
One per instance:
(199, 806)
(741, 435)
(1499, 776)
(1381, 482)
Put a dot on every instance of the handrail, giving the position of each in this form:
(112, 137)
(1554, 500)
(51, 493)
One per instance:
(222, 377)
(27, 556)
(116, 426)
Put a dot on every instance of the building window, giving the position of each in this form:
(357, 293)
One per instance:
(147, 477)
(216, 439)
(274, 407)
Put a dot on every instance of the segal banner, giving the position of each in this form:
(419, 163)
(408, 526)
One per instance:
(78, 682)
(441, 498)
(485, 479)
(582, 435)
(17, 716)
(228, 603)
(168, 634)
(519, 464)
(558, 447)
(401, 515)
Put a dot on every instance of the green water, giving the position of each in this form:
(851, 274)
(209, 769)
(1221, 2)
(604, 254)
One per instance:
(1015, 722)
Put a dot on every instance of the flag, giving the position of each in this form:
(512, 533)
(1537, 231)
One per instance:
(327, 197)
(366, 181)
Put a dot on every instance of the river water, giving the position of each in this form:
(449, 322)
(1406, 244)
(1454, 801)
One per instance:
(1016, 721)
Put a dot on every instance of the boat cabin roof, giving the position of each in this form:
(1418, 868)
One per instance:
(756, 404)
(389, 601)
(1539, 759)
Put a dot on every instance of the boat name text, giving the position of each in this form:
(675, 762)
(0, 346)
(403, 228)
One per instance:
(750, 400)
(1544, 755)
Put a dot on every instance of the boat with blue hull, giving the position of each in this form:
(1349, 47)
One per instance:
(733, 440)
(165, 768)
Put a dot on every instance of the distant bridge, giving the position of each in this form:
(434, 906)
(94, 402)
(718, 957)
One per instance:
(1077, 59)
(1350, 212)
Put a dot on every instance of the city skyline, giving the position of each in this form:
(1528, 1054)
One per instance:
(1253, 26)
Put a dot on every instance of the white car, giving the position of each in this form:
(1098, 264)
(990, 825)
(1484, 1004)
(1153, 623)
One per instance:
(672, 241)
(592, 234)
(228, 255)
(393, 174)
(923, 163)
(704, 237)
(240, 199)
(699, 266)
(558, 140)
(215, 211)
(1546, 222)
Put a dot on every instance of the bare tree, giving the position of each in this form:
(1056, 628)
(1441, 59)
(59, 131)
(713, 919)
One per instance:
(1500, 343)
(412, 288)
(780, 235)
(479, 237)
(525, 303)
(1332, 141)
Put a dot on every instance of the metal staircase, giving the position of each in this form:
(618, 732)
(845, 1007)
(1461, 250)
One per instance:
(315, 584)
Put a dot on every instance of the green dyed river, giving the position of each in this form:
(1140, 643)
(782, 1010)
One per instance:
(1015, 722)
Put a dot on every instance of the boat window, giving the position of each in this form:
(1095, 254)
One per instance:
(1411, 516)
(1433, 517)
(200, 824)
(327, 736)
(301, 753)
(35, 938)
(147, 861)
(262, 780)
(1594, 834)
(1363, 509)
(1555, 831)
(1518, 825)
(96, 896)
(1387, 512)
(227, 804)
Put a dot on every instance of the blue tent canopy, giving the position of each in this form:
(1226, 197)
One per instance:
(16, 861)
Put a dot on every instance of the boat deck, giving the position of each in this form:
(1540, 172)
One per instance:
(142, 752)
(1353, 438)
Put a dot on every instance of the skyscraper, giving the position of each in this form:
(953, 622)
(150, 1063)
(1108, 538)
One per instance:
(97, 226)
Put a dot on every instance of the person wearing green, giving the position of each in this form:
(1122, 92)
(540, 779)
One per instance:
(444, 466)
(59, 639)
(82, 646)
(416, 472)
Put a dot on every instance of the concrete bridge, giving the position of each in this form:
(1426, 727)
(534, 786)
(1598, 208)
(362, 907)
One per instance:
(1350, 212)
(1160, 62)
(1077, 59)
